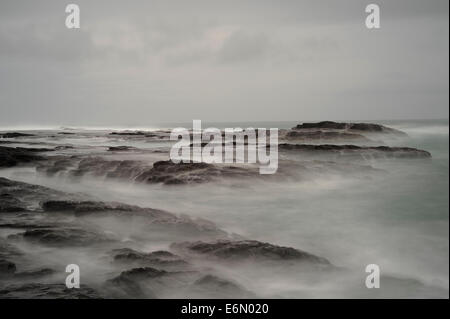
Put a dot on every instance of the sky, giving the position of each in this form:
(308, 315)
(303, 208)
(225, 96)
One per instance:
(135, 63)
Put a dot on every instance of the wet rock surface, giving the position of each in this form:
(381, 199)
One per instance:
(170, 173)
(299, 135)
(12, 156)
(153, 274)
(47, 291)
(161, 258)
(7, 267)
(121, 148)
(362, 152)
(362, 127)
(61, 236)
(14, 135)
(246, 249)
(129, 251)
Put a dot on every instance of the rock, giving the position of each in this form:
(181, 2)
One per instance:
(160, 259)
(141, 273)
(360, 127)
(138, 133)
(9, 204)
(12, 156)
(112, 169)
(47, 291)
(121, 148)
(363, 152)
(61, 236)
(134, 283)
(246, 249)
(7, 267)
(72, 206)
(170, 173)
(20, 197)
(321, 135)
(14, 135)
(211, 286)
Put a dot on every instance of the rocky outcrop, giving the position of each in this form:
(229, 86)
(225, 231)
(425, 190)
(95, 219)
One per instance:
(7, 267)
(93, 166)
(19, 197)
(9, 203)
(47, 291)
(351, 127)
(363, 152)
(121, 148)
(216, 287)
(170, 173)
(245, 250)
(299, 135)
(14, 135)
(61, 236)
(160, 259)
(12, 156)
(42, 199)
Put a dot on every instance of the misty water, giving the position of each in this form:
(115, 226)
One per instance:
(395, 217)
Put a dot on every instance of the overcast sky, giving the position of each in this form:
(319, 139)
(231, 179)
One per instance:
(144, 62)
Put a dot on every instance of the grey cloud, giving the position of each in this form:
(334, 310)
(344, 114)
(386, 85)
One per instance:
(150, 61)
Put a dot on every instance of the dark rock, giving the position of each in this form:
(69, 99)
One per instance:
(121, 148)
(212, 286)
(14, 135)
(247, 249)
(320, 135)
(47, 291)
(11, 156)
(18, 196)
(142, 273)
(360, 127)
(170, 173)
(9, 203)
(133, 283)
(160, 259)
(138, 133)
(358, 151)
(72, 206)
(7, 267)
(61, 236)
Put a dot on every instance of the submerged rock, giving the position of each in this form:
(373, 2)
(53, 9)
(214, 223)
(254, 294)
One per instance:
(12, 156)
(7, 267)
(61, 236)
(137, 133)
(363, 152)
(19, 197)
(47, 291)
(246, 249)
(361, 127)
(215, 287)
(14, 135)
(161, 259)
(121, 148)
(9, 203)
(170, 173)
(321, 135)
